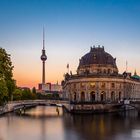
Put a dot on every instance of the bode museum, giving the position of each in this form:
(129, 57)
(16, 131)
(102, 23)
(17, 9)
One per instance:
(98, 81)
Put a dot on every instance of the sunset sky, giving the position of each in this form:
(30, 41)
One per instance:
(71, 27)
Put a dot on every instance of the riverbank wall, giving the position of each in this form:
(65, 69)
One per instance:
(6, 108)
(11, 107)
(95, 108)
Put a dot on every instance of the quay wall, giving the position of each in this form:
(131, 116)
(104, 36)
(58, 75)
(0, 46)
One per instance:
(96, 108)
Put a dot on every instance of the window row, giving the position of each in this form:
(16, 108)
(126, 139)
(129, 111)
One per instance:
(95, 84)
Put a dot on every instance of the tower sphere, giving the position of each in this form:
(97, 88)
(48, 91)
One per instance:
(43, 57)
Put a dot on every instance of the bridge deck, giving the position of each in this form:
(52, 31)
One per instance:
(15, 105)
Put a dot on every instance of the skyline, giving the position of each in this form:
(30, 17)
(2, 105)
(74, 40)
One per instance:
(71, 27)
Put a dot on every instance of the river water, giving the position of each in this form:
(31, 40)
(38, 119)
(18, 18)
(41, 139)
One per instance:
(45, 123)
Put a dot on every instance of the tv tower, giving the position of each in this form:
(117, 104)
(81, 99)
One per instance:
(43, 58)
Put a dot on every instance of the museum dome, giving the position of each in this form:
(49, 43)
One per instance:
(99, 58)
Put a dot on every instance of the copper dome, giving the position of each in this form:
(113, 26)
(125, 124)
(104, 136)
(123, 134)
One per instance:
(97, 55)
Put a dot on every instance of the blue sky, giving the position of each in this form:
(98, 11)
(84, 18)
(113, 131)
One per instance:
(71, 27)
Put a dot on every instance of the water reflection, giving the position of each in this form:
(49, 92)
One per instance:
(32, 125)
(42, 111)
(104, 127)
(44, 123)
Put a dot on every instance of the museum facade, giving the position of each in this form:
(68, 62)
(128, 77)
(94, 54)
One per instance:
(98, 80)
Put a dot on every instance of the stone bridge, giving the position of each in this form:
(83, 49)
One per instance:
(16, 105)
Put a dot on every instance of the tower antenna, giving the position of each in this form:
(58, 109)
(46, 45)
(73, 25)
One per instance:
(43, 38)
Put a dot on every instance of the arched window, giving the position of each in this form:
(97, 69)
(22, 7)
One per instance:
(104, 71)
(112, 96)
(98, 71)
(92, 96)
(74, 96)
(119, 95)
(82, 96)
(108, 71)
(70, 97)
(103, 96)
(113, 85)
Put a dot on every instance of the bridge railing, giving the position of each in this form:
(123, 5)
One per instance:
(36, 101)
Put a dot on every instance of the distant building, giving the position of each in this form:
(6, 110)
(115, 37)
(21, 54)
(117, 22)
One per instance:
(98, 80)
(50, 88)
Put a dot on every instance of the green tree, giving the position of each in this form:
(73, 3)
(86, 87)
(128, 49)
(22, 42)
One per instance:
(34, 90)
(55, 96)
(6, 75)
(26, 94)
(34, 96)
(3, 92)
(17, 94)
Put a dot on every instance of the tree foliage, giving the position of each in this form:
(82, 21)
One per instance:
(3, 92)
(26, 94)
(23, 94)
(17, 94)
(34, 90)
(6, 76)
(54, 96)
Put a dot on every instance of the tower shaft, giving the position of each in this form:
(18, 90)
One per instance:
(43, 72)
